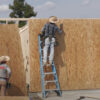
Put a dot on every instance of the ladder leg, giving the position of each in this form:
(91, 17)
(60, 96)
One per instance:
(59, 93)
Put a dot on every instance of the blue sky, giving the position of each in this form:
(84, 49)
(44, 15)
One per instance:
(60, 8)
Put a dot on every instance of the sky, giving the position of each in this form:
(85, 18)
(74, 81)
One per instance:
(59, 8)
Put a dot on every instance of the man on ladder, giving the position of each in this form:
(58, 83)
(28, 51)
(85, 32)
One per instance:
(48, 32)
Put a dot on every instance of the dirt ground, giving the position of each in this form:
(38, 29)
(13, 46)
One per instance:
(69, 95)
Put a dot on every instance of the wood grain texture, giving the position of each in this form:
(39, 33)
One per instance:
(10, 44)
(77, 56)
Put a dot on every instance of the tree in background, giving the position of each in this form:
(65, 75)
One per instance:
(21, 9)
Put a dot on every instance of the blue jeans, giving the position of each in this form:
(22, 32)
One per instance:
(48, 43)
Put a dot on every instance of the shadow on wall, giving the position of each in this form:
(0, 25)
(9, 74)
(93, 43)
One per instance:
(14, 91)
(59, 49)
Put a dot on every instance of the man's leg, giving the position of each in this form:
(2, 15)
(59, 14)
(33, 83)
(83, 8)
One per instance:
(3, 88)
(45, 51)
(51, 51)
(0, 88)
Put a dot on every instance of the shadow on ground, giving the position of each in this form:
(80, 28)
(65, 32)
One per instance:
(35, 96)
(14, 91)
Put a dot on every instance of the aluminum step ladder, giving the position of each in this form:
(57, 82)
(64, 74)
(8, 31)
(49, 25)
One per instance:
(45, 82)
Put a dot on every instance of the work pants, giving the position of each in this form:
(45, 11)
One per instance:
(48, 43)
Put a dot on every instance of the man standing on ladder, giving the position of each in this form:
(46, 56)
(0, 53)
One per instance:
(5, 73)
(48, 32)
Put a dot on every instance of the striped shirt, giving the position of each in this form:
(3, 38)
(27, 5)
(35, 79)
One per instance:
(5, 71)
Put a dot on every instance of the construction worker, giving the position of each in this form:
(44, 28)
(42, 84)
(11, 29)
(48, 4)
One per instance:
(48, 32)
(5, 73)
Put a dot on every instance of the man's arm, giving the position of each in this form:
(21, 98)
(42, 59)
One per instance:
(9, 72)
(43, 31)
(60, 30)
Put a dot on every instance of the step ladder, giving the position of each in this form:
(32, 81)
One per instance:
(45, 82)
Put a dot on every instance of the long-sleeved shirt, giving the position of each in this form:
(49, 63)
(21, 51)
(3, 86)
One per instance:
(50, 29)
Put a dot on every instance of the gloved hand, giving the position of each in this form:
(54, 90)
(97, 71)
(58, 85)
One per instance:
(41, 35)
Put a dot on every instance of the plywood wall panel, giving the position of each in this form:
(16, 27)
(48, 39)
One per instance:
(10, 44)
(76, 58)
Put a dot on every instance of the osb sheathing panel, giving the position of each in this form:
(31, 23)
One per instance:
(10, 44)
(77, 56)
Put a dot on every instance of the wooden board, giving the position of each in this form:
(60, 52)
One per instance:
(10, 44)
(14, 98)
(24, 34)
(77, 57)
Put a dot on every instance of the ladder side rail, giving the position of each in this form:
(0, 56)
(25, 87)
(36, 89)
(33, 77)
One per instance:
(56, 78)
(41, 68)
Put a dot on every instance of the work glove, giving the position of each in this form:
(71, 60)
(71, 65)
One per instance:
(41, 35)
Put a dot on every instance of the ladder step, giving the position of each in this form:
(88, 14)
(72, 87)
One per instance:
(51, 89)
(49, 73)
(51, 81)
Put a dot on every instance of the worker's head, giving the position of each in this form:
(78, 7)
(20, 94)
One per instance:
(53, 19)
(4, 59)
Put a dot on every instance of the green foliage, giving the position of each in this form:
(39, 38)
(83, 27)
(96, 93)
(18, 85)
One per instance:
(22, 23)
(2, 22)
(28, 11)
(11, 22)
(21, 9)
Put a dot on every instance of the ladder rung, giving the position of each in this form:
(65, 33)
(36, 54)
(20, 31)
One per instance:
(49, 73)
(51, 89)
(51, 81)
